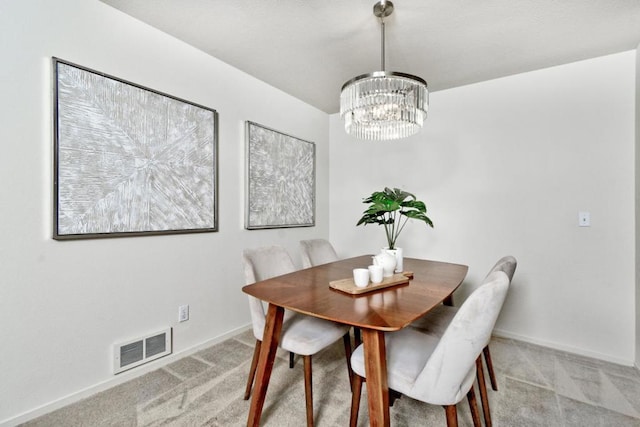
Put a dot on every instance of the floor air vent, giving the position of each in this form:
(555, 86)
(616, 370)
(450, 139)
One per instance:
(136, 352)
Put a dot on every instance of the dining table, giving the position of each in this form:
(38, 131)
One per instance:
(389, 309)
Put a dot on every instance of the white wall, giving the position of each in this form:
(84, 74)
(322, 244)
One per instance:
(638, 207)
(504, 166)
(63, 304)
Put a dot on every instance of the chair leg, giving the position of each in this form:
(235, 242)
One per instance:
(308, 390)
(291, 361)
(492, 375)
(473, 406)
(346, 338)
(484, 398)
(355, 400)
(356, 336)
(452, 415)
(252, 371)
(393, 396)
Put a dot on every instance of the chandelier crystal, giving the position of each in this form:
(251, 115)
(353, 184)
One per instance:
(384, 105)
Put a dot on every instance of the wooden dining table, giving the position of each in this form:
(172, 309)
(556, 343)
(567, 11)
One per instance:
(390, 309)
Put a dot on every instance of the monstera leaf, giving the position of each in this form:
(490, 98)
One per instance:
(392, 208)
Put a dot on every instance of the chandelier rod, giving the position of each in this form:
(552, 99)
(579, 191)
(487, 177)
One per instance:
(382, 9)
(383, 45)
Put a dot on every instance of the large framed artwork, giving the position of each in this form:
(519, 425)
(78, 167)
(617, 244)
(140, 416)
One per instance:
(280, 179)
(128, 160)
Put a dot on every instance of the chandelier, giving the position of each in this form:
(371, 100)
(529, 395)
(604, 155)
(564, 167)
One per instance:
(384, 105)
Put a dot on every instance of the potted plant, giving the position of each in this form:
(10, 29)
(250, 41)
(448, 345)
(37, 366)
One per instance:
(392, 209)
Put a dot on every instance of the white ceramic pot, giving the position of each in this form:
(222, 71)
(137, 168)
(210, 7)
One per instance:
(397, 253)
(387, 261)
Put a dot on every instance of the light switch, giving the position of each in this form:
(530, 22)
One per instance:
(584, 219)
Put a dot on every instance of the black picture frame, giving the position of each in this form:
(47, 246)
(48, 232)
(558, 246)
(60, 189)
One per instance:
(280, 179)
(129, 160)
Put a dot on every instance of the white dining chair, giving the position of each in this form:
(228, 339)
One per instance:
(302, 335)
(317, 251)
(440, 370)
(436, 321)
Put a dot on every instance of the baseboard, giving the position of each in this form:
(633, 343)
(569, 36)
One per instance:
(117, 380)
(566, 348)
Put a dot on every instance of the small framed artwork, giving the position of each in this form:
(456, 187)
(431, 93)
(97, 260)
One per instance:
(128, 160)
(280, 179)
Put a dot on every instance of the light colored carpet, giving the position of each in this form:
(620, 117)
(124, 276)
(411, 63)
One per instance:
(537, 387)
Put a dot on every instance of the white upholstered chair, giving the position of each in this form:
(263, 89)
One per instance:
(302, 335)
(436, 321)
(440, 370)
(316, 251)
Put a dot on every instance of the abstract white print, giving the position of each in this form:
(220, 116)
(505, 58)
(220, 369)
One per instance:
(280, 179)
(129, 160)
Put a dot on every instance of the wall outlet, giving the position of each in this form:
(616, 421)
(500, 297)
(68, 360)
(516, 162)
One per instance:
(584, 219)
(183, 313)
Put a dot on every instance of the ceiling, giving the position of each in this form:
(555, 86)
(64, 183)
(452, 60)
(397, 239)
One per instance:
(310, 48)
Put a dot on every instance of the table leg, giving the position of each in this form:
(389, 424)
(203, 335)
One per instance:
(375, 366)
(270, 340)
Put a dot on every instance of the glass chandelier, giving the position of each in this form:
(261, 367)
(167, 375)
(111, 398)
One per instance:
(384, 105)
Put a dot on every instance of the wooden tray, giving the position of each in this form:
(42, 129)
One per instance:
(348, 286)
